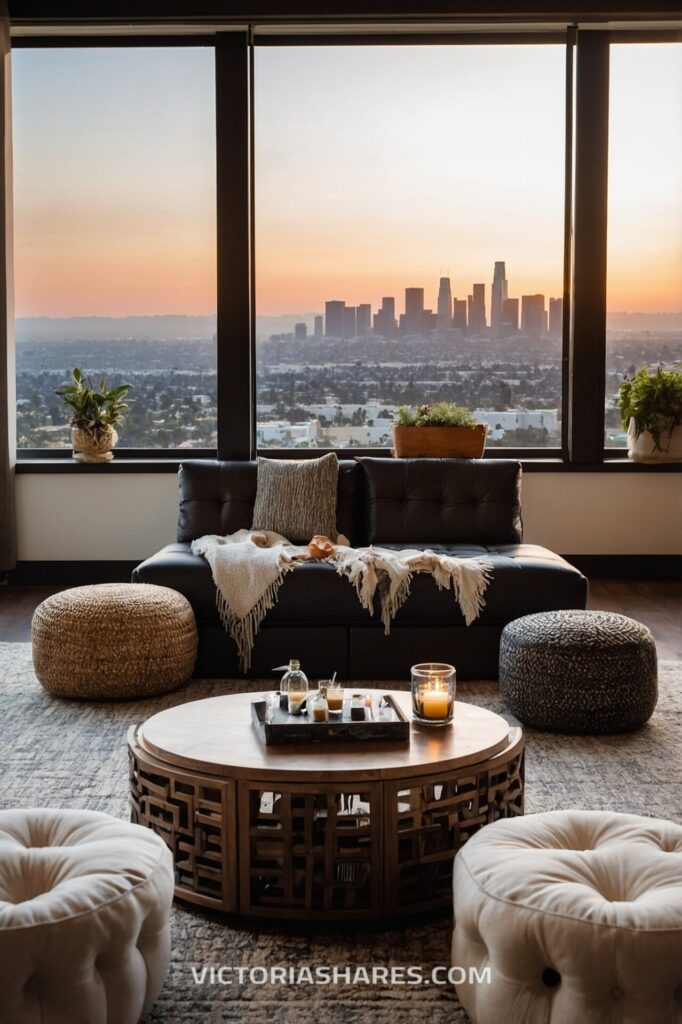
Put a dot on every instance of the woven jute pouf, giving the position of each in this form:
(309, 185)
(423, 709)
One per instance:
(114, 641)
(579, 671)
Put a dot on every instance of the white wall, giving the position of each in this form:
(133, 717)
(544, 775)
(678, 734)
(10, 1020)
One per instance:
(129, 516)
(604, 513)
(95, 517)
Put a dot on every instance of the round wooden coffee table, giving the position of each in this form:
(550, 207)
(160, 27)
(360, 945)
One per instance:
(346, 831)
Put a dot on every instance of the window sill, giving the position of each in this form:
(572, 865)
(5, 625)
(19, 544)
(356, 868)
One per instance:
(58, 465)
(171, 465)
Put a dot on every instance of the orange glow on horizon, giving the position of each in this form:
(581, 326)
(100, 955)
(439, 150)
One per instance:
(375, 171)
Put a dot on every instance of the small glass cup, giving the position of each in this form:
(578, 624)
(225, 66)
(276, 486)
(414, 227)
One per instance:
(433, 693)
(335, 699)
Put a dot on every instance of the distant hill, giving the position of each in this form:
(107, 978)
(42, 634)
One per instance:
(284, 324)
(170, 327)
(114, 328)
(644, 321)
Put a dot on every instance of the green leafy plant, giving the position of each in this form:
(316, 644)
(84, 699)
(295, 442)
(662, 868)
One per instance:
(93, 409)
(440, 414)
(654, 402)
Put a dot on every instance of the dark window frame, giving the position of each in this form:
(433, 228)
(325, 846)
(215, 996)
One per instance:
(583, 359)
(31, 457)
(612, 453)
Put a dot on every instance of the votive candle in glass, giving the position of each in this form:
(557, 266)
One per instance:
(433, 693)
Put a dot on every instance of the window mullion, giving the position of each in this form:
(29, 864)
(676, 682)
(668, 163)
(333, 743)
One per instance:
(587, 344)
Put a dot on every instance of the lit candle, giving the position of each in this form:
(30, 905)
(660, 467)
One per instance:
(435, 703)
(433, 693)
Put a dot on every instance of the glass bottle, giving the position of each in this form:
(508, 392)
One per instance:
(318, 708)
(295, 685)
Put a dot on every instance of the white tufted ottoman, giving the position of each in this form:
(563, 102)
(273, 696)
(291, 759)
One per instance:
(84, 918)
(578, 915)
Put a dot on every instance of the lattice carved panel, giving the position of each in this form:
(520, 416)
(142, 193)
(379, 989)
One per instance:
(310, 852)
(195, 817)
(429, 819)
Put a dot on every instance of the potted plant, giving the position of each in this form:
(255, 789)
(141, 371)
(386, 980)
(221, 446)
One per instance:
(442, 430)
(651, 411)
(95, 412)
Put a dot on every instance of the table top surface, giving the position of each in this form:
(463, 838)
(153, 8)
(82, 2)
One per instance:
(216, 736)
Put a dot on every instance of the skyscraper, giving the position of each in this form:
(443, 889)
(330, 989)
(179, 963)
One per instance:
(319, 326)
(349, 322)
(363, 319)
(533, 316)
(556, 318)
(384, 322)
(300, 332)
(333, 318)
(510, 315)
(477, 318)
(498, 295)
(459, 314)
(444, 307)
(414, 308)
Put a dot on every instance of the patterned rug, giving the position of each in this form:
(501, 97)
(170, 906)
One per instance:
(56, 753)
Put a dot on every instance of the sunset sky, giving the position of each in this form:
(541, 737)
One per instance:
(114, 181)
(376, 168)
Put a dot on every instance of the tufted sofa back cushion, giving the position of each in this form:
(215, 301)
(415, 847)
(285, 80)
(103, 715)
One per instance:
(442, 501)
(218, 497)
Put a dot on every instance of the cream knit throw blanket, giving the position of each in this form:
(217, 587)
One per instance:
(249, 567)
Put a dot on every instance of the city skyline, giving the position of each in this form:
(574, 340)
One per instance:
(471, 315)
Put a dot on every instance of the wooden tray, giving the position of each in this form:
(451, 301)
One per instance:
(276, 726)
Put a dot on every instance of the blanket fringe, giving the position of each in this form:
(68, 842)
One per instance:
(244, 631)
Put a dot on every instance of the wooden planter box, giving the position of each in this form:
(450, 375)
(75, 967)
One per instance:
(439, 442)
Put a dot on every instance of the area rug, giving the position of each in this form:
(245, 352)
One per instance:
(56, 753)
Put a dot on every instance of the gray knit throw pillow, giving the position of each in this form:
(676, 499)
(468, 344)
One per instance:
(297, 499)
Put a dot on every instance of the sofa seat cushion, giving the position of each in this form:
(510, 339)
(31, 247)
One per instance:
(312, 594)
(526, 578)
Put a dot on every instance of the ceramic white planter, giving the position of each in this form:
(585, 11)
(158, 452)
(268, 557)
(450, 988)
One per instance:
(642, 449)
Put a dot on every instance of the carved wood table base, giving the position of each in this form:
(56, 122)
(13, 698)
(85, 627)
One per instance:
(360, 831)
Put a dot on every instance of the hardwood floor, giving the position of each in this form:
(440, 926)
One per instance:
(656, 603)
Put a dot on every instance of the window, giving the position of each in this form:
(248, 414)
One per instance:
(409, 239)
(644, 294)
(402, 235)
(114, 182)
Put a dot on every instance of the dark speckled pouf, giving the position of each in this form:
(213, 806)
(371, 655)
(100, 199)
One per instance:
(579, 671)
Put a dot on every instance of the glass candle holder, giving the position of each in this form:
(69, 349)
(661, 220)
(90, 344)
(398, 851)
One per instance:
(433, 693)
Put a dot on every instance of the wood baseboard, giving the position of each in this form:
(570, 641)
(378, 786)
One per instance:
(628, 567)
(69, 574)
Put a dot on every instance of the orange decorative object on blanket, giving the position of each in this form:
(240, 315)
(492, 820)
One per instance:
(320, 547)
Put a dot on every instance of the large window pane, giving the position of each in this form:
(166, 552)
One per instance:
(409, 239)
(644, 295)
(114, 182)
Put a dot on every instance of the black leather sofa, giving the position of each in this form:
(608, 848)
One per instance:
(461, 507)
